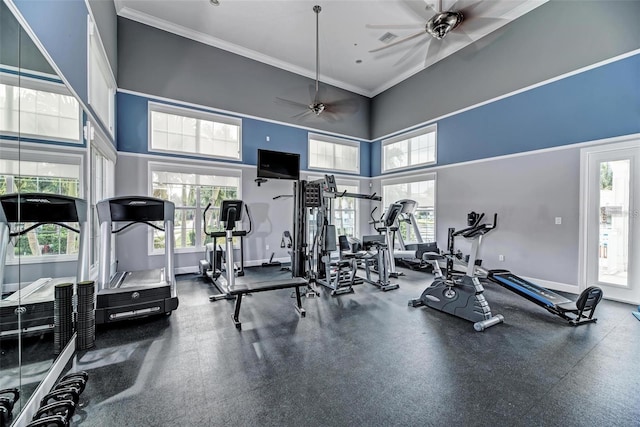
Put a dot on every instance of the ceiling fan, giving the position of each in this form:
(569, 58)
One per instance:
(328, 110)
(449, 23)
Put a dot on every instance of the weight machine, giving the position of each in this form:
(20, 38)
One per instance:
(315, 198)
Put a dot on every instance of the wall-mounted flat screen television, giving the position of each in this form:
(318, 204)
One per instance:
(278, 165)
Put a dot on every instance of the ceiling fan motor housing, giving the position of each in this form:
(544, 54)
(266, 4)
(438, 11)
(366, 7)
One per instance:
(441, 23)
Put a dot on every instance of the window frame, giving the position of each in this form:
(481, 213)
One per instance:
(408, 179)
(335, 141)
(96, 47)
(31, 153)
(98, 147)
(407, 136)
(188, 168)
(44, 84)
(153, 106)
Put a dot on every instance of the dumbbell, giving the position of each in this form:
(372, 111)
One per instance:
(8, 398)
(65, 408)
(50, 421)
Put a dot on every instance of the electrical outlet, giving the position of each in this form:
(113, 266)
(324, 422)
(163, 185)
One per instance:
(500, 257)
(267, 247)
(558, 220)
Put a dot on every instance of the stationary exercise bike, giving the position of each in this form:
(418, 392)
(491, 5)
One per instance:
(462, 296)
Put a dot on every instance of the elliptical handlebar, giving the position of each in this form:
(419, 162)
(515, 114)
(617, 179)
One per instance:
(204, 218)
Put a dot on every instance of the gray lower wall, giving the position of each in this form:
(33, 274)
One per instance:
(556, 38)
(527, 192)
(270, 217)
(26, 273)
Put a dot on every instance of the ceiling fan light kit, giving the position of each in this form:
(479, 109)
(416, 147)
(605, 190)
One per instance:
(442, 23)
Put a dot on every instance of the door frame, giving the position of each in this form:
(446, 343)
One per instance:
(604, 146)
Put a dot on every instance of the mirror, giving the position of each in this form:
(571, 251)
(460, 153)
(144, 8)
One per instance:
(41, 151)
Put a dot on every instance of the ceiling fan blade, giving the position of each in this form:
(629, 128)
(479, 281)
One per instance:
(404, 39)
(303, 114)
(346, 106)
(420, 8)
(459, 6)
(413, 52)
(434, 49)
(469, 10)
(291, 103)
(394, 26)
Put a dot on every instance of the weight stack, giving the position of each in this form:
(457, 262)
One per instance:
(86, 318)
(62, 316)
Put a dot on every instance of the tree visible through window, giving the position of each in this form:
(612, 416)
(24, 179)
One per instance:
(191, 193)
(48, 239)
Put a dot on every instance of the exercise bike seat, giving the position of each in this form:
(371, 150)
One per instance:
(584, 307)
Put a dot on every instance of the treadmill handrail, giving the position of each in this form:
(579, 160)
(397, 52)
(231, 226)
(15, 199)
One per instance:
(36, 225)
(137, 222)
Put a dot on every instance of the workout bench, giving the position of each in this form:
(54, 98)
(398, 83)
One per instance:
(242, 289)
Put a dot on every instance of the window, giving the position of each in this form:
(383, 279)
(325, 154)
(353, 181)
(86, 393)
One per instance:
(191, 189)
(179, 130)
(38, 109)
(30, 171)
(412, 149)
(422, 190)
(333, 154)
(102, 85)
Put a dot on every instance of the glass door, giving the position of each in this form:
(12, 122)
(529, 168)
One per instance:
(613, 220)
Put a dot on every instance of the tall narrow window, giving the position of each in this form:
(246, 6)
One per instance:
(102, 85)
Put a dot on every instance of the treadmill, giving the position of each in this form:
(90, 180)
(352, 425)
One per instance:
(30, 309)
(131, 294)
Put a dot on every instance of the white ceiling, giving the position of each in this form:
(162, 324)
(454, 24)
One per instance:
(282, 33)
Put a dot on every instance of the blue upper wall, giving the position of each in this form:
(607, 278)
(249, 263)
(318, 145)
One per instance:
(61, 27)
(599, 103)
(133, 133)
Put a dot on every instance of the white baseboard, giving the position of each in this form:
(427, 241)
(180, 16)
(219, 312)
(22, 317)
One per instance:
(554, 286)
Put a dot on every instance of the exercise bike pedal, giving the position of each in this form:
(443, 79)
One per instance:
(416, 302)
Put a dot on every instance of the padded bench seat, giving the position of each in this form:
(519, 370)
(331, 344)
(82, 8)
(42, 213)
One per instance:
(268, 285)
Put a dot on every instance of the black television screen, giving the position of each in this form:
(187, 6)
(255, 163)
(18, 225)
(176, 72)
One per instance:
(278, 165)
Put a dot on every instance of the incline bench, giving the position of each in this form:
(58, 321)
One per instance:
(269, 285)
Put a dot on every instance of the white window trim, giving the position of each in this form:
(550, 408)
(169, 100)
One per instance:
(46, 155)
(92, 31)
(332, 140)
(45, 86)
(428, 129)
(194, 114)
(185, 167)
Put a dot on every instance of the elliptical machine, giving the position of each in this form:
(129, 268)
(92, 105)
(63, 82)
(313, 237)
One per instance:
(462, 296)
